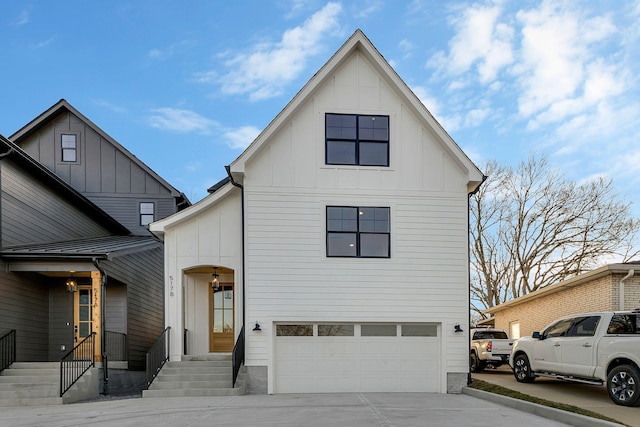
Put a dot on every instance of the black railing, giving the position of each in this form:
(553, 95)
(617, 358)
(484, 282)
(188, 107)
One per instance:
(7, 349)
(185, 336)
(78, 361)
(237, 356)
(116, 345)
(157, 355)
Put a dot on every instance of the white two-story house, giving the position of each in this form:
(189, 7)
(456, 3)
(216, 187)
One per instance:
(337, 247)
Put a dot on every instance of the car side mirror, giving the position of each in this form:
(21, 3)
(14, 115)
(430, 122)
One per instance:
(537, 335)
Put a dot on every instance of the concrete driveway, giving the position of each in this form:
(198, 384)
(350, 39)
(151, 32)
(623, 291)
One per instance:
(584, 396)
(285, 410)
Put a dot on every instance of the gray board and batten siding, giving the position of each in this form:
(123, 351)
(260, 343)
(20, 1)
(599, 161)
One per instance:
(104, 171)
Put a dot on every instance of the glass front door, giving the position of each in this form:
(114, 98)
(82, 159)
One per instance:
(221, 318)
(83, 314)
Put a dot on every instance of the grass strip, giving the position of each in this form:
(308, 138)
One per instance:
(496, 389)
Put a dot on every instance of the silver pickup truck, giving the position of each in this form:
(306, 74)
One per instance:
(592, 348)
(489, 346)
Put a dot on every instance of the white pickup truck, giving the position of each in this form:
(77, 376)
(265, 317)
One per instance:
(592, 348)
(489, 346)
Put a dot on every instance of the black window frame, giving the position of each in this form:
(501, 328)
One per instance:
(359, 231)
(357, 140)
(146, 214)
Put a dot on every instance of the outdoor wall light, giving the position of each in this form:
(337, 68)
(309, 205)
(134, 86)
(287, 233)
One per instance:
(72, 285)
(257, 327)
(457, 328)
(215, 284)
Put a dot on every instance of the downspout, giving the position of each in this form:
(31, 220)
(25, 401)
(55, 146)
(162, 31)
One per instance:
(244, 311)
(621, 289)
(7, 153)
(484, 178)
(103, 327)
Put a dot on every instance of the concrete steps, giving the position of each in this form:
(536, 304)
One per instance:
(206, 375)
(30, 384)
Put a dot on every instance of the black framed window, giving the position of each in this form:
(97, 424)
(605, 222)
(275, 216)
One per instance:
(354, 139)
(360, 232)
(69, 145)
(147, 213)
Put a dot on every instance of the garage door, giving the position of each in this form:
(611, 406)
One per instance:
(322, 358)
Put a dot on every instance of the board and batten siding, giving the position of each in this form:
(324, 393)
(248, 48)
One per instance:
(24, 306)
(288, 186)
(142, 271)
(31, 213)
(213, 237)
(104, 174)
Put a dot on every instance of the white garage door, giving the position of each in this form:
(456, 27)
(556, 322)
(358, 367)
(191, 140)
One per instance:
(323, 358)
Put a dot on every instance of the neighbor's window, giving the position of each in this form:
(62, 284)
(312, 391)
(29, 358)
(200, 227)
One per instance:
(69, 144)
(353, 139)
(146, 213)
(362, 232)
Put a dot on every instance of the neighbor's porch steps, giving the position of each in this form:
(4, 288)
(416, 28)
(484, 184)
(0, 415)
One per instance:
(207, 375)
(30, 384)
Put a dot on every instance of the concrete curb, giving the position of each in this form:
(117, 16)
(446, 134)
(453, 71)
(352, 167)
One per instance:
(540, 410)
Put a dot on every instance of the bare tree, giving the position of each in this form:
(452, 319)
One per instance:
(531, 227)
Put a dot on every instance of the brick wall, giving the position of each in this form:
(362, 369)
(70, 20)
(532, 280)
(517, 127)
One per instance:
(597, 295)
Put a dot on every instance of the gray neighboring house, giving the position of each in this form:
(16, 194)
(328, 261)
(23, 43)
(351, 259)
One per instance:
(76, 256)
(608, 288)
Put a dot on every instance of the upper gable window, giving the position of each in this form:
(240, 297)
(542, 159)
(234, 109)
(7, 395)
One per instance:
(147, 211)
(69, 145)
(354, 139)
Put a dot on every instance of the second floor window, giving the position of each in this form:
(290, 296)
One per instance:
(353, 139)
(361, 232)
(69, 144)
(147, 211)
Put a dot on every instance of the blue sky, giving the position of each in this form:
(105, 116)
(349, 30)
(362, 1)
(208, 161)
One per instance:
(186, 85)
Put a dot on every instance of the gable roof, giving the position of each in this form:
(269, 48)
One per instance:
(64, 106)
(359, 42)
(59, 186)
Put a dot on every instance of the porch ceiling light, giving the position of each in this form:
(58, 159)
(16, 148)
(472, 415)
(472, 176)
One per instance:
(72, 284)
(215, 284)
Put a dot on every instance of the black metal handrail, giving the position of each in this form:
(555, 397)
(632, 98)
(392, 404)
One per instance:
(157, 355)
(184, 341)
(116, 345)
(7, 349)
(237, 356)
(78, 361)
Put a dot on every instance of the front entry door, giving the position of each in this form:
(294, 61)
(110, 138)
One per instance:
(221, 318)
(82, 313)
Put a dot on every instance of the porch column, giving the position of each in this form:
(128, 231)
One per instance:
(96, 291)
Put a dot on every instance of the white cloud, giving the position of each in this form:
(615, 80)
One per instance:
(105, 104)
(170, 50)
(241, 137)
(263, 72)
(179, 120)
(479, 41)
(21, 19)
(556, 55)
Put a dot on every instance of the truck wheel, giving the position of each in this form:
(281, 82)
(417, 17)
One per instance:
(475, 364)
(522, 369)
(623, 385)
